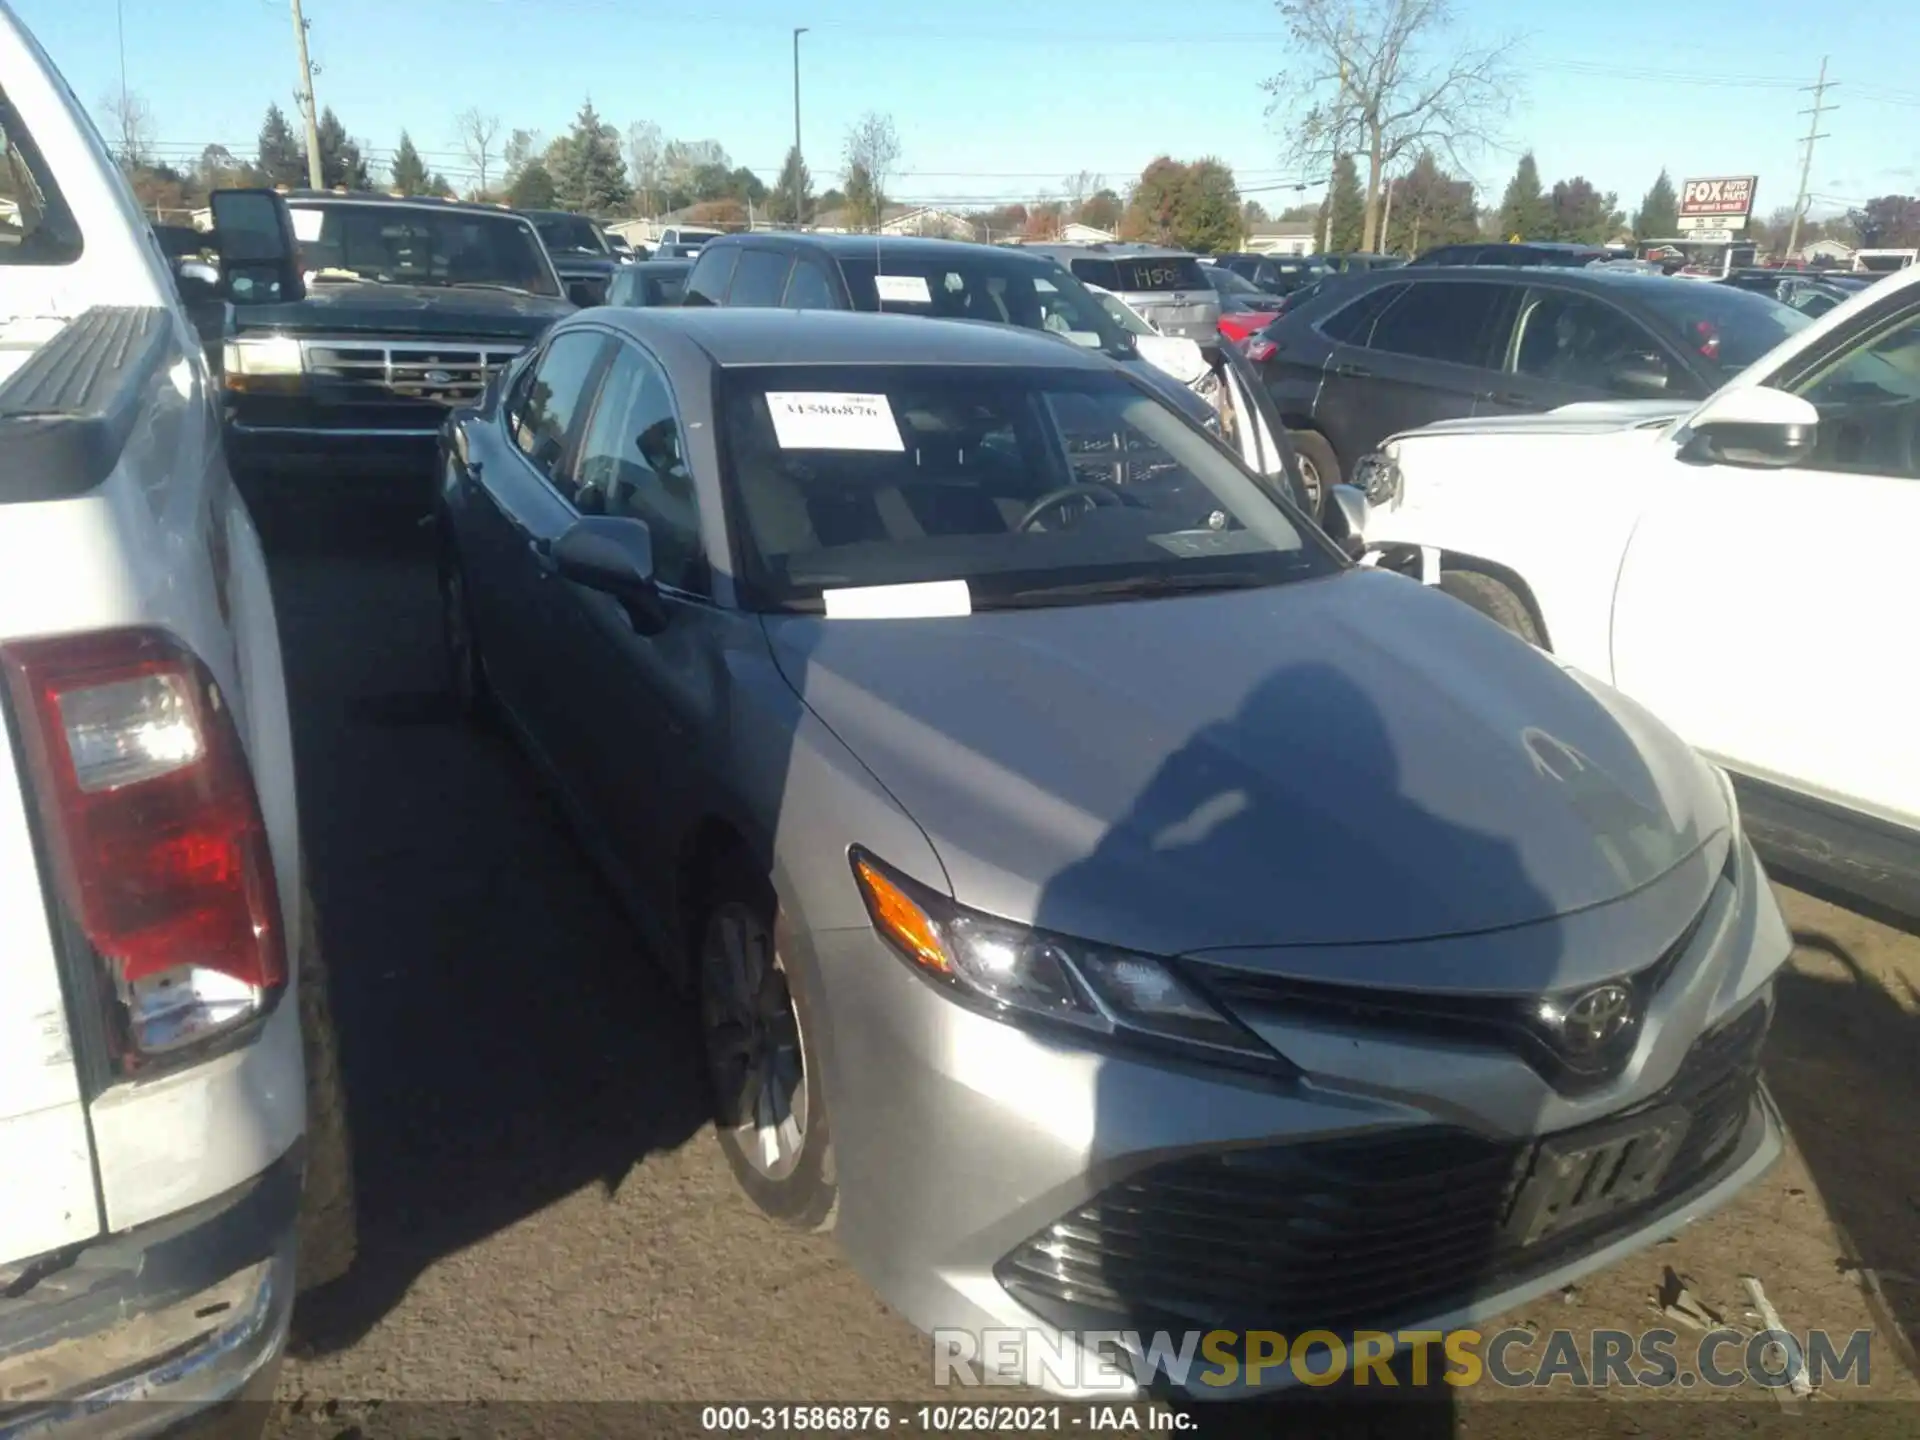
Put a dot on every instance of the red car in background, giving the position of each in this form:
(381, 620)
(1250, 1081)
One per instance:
(1244, 306)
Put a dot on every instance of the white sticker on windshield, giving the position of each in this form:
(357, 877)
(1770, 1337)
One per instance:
(833, 420)
(306, 224)
(929, 600)
(903, 289)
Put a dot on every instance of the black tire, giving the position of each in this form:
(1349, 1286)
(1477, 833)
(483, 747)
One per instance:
(329, 1228)
(1493, 599)
(801, 1190)
(466, 674)
(1319, 467)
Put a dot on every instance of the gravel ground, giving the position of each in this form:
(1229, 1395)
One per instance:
(545, 1217)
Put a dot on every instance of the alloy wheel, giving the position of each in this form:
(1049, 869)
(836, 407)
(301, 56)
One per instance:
(754, 1048)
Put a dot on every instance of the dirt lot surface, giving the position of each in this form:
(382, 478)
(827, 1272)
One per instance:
(545, 1217)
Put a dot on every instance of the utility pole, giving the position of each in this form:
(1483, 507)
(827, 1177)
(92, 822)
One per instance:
(307, 105)
(798, 218)
(1819, 89)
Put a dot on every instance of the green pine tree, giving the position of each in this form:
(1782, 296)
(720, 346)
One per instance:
(1349, 207)
(589, 166)
(532, 188)
(795, 181)
(1659, 217)
(280, 158)
(1524, 212)
(410, 175)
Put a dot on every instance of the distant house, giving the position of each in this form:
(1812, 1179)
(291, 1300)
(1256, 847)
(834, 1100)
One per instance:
(899, 220)
(1074, 233)
(1283, 237)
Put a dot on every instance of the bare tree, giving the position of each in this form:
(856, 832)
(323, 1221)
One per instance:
(1078, 188)
(1385, 79)
(130, 122)
(477, 134)
(873, 149)
(643, 158)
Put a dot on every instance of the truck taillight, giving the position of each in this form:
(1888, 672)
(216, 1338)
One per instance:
(154, 833)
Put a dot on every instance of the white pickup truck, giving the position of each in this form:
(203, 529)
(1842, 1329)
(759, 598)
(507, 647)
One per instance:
(1743, 566)
(162, 1017)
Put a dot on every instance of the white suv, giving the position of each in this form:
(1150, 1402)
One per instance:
(161, 1013)
(1743, 566)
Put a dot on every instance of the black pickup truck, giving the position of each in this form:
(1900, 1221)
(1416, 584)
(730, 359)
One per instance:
(581, 253)
(404, 308)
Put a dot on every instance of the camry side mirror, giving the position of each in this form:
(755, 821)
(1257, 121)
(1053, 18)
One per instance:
(1753, 426)
(1345, 520)
(614, 555)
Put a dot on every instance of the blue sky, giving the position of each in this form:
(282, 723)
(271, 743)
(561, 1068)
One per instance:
(999, 99)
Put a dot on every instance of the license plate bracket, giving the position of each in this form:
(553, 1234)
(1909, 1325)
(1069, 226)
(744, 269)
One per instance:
(1592, 1173)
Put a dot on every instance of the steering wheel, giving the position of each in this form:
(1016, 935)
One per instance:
(1095, 496)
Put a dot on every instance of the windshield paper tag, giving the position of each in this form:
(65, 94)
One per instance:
(307, 225)
(904, 289)
(932, 599)
(832, 420)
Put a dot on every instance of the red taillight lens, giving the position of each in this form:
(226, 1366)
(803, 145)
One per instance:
(1709, 337)
(154, 827)
(1260, 348)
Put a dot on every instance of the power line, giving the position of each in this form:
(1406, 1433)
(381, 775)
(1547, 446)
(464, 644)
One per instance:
(1814, 133)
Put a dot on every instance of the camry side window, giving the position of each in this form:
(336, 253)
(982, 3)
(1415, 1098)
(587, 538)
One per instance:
(759, 279)
(542, 424)
(808, 288)
(1575, 340)
(712, 273)
(633, 462)
(1868, 396)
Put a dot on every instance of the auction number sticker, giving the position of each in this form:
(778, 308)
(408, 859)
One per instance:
(833, 420)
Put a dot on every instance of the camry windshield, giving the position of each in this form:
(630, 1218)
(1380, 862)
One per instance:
(1004, 289)
(1732, 328)
(569, 233)
(421, 245)
(1031, 486)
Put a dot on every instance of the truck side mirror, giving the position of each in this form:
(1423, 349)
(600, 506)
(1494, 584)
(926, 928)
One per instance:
(259, 253)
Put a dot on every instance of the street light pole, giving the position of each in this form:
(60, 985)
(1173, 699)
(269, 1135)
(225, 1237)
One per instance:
(798, 31)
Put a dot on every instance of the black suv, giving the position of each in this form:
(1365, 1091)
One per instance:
(1275, 274)
(581, 252)
(410, 305)
(1372, 355)
(1526, 254)
(946, 279)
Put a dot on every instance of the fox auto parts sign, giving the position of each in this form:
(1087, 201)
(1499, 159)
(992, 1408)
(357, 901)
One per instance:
(1722, 203)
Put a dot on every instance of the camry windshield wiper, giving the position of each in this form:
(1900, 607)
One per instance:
(1131, 587)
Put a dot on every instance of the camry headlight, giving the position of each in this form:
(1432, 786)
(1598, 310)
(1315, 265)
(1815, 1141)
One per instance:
(1377, 476)
(275, 359)
(1015, 972)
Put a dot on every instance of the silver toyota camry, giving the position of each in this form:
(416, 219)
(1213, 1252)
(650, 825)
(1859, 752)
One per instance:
(1107, 903)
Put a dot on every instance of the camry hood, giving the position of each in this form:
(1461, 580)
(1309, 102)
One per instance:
(1589, 417)
(1354, 759)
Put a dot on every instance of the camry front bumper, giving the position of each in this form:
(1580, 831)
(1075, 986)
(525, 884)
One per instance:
(993, 1178)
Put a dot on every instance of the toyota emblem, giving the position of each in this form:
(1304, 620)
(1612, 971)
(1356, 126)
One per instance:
(1596, 1019)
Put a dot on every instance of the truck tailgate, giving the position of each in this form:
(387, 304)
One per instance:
(47, 1195)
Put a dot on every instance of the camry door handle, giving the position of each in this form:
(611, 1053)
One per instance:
(1505, 397)
(1353, 372)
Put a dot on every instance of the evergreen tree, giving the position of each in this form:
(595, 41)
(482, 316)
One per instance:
(341, 163)
(589, 166)
(1524, 212)
(865, 204)
(410, 175)
(794, 181)
(280, 158)
(532, 188)
(1349, 207)
(1659, 217)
